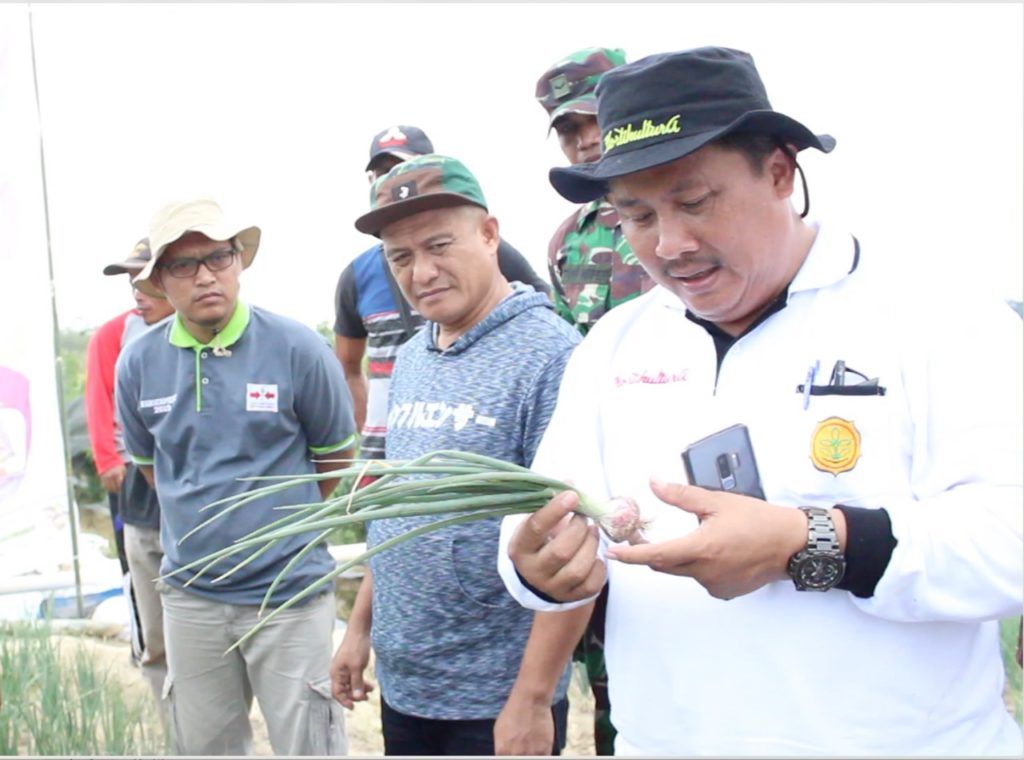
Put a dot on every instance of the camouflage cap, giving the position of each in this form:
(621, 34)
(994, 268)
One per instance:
(420, 184)
(568, 86)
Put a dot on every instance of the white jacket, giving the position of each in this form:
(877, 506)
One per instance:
(915, 669)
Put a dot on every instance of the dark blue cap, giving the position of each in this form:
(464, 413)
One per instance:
(401, 142)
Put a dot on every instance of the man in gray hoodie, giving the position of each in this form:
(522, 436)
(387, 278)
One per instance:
(462, 670)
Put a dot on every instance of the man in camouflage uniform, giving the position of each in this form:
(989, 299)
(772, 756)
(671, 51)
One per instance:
(592, 269)
(590, 263)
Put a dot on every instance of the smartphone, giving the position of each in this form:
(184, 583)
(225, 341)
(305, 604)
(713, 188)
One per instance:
(724, 461)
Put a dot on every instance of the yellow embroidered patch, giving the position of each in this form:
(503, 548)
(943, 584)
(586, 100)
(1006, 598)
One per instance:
(835, 445)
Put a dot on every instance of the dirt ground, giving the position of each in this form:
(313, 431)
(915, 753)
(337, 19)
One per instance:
(362, 723)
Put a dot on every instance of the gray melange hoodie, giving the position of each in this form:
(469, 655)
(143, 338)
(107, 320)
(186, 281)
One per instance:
(447, 636)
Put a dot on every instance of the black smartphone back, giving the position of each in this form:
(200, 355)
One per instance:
(724, 461)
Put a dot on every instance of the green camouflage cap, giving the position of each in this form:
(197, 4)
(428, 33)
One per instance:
(568, 86)
(420, 184)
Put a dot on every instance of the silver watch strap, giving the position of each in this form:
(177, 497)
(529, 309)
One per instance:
(821, 531)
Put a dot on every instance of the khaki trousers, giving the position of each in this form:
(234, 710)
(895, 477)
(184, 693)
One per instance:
(285, 666)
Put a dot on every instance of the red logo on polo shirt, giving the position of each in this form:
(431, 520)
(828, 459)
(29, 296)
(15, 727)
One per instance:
(260, 397)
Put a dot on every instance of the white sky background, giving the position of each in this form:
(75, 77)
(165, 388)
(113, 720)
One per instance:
(270, 108)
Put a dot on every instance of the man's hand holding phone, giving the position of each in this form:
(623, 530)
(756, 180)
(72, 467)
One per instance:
(724, 461)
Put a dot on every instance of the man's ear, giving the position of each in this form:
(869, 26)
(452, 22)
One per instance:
(490, 232)
(157, 279)
(782, 168)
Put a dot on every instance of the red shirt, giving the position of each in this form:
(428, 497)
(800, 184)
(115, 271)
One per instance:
(100, 360)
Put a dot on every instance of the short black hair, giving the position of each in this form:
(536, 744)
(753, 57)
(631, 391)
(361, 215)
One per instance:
(754, 146)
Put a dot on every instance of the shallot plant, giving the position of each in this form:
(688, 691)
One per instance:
(455, 486)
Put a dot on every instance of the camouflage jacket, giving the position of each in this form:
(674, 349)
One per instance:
(592, 267)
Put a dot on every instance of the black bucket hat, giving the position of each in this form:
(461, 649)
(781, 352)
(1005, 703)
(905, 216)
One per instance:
(666, 106)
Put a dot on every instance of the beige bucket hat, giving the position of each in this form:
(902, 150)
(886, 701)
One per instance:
(180, 217)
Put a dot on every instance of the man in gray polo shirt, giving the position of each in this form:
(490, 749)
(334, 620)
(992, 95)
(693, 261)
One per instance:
(227, 391)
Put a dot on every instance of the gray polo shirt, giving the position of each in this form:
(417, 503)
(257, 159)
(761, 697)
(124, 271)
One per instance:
(261, 399)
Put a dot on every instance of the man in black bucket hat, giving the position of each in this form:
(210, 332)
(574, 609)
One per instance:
(684, 104)
(866, 578)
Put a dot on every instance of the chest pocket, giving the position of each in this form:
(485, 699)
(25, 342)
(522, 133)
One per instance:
(586, 290)
(607, 279)
(843, 449)
(586, 274)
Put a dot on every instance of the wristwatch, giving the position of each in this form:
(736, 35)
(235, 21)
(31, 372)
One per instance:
(821, 565)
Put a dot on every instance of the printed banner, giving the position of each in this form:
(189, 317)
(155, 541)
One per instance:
(34, 535)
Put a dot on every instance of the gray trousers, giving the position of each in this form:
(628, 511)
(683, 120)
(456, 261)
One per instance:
(285, 666)
(142, 547)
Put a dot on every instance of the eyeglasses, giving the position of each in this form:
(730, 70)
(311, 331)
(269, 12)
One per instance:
(187, 266)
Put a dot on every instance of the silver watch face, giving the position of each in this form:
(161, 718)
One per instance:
(819, 571)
